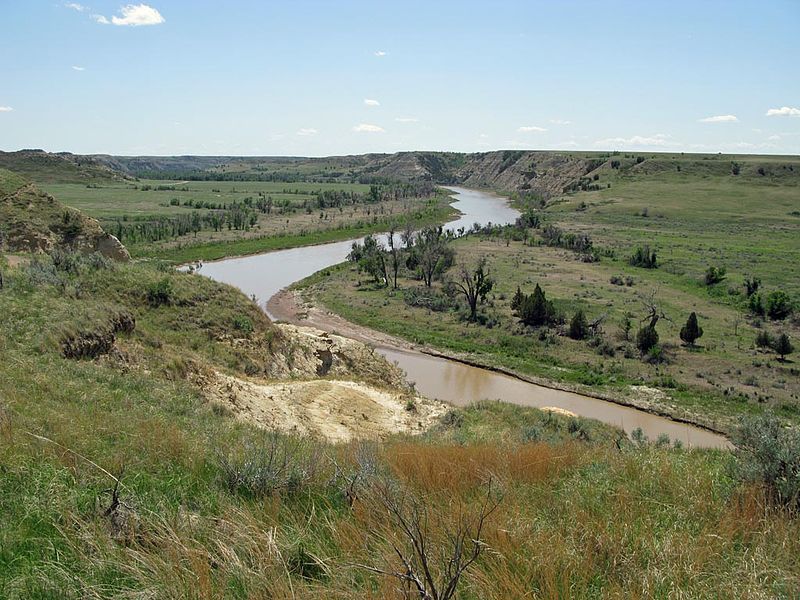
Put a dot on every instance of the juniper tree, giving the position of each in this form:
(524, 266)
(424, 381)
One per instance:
(783, 346)
(692, 330)
(578, 326)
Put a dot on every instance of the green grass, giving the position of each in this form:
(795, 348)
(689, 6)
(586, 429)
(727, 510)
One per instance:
(581, 518)
(292, 222)
(437, 212)
(696, 217)
(127, 200)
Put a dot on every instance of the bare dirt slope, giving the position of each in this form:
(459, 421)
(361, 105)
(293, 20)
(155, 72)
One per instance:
(334, 410)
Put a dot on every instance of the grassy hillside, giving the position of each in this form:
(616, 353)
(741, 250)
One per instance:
(695, 214)
(45, 168)
(206, 506)
(32, 220)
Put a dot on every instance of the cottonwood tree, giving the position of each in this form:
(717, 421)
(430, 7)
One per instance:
(474, 283)
(433, 554)
(370, 258)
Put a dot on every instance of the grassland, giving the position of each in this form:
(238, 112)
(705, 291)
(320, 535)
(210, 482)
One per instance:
(293, 218)
(199, 512)
(695, 214)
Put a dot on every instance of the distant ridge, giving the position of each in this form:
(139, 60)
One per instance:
(546, 173)
(63, 167)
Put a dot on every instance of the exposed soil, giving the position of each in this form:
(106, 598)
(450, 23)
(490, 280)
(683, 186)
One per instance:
(337, 411)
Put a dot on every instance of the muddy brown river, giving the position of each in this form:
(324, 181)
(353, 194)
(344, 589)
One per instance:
(264, 275)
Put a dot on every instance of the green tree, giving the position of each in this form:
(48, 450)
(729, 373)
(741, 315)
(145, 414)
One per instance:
(783, 346)
(536, 309)
(578, 326)
(432, 253)
(516, 301)
(779, 305)
(646, 339)
(756, 304)
(692, 330)
(764, 339)
(370, 258)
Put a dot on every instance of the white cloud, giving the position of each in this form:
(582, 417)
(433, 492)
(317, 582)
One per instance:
(379, 53)
(560, 122)
(720, 119)
(484, 136)
(5, 109)
(371, 102)
(774, 138)
(407, 119)
(307, 131)
(133, 15)
(637, 140)
(367, 128)
(77, 68)
(531, 129)
(76, 6)
(784, 111)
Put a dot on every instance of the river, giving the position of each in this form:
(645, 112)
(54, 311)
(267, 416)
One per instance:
(264, 275)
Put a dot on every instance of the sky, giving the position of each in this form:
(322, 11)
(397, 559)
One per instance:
(316, 78)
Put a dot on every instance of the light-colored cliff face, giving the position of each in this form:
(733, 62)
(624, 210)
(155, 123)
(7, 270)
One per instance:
(546, 173)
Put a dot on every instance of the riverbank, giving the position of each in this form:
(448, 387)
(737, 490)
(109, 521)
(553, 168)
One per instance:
(298, 307)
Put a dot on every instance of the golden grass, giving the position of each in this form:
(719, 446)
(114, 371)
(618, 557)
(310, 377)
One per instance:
(457, 469)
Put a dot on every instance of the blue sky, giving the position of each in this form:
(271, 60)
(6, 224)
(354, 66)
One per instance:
(296, 77)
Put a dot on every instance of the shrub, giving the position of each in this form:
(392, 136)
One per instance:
(714, 275)
(779, 306)
(656, 356)
(425, 297)
(645, 258)
(756, 304)
(578, 326)
(691, 331)
(751, 285)
(243, 324)
(646, 339)
(159, 293)
(763, 339)
(603, 347)
(277, 464)
(769, 454)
